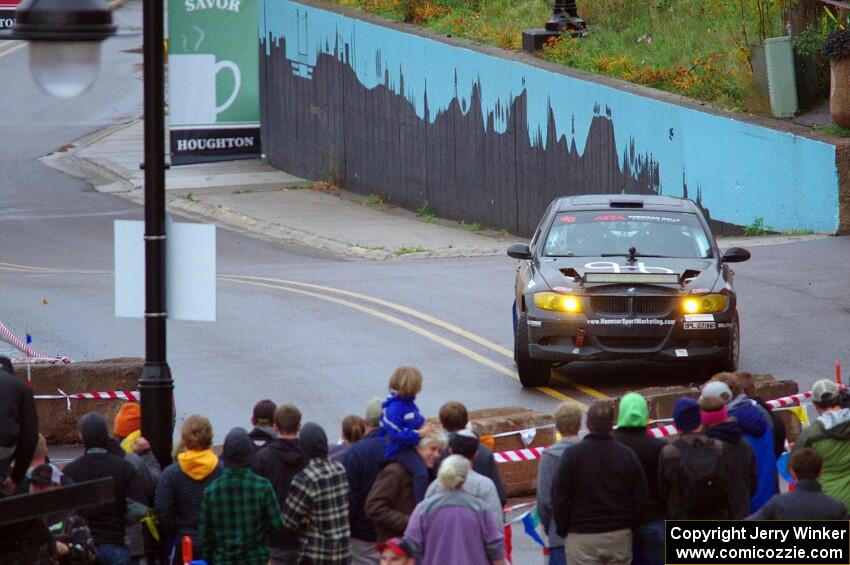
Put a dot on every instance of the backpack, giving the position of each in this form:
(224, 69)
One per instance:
(702, 482)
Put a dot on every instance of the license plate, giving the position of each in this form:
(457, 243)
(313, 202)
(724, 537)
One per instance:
(700, 325)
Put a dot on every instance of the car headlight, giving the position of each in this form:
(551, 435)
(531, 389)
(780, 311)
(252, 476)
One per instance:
(705, 304)
(557, 302)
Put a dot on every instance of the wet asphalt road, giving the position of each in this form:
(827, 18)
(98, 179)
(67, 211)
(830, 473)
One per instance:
(325, 351)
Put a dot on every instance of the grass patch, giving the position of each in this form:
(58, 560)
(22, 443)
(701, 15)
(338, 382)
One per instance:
(426, 212)
(799, 232)
(833, 129)
(757, 227)
(376, 200)
(503, 232)
(475, 226)
(408, 250)
(696, 49)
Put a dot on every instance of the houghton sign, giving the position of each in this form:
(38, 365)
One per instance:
(213, 77)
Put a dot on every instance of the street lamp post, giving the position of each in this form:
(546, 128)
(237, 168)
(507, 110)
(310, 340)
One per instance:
(155, 385)
(65, 38)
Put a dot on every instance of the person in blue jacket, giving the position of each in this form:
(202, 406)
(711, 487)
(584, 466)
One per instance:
(756, 426)
(402, 426)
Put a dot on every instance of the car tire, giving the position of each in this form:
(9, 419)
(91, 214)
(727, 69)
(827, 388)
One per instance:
(532, 372)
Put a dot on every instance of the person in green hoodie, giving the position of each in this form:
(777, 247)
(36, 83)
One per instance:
(829, 435)
(648, 543)
(180, 490)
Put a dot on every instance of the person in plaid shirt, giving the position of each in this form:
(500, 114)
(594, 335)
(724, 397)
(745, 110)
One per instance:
(239, 509)
(317, 503)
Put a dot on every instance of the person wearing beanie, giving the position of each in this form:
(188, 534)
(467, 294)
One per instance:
(740, 460)
(692, 469)
(279, 461)
(362, 464)
(453, 525)
(648, 545)
(829, 435)
(317, 503)
(129, 444)
(239, 509)
(757, 428)
(465, 443)
(181, 485)
(107, 522)
(263, 421)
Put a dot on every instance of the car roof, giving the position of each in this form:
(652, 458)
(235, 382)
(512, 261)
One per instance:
(627, 201)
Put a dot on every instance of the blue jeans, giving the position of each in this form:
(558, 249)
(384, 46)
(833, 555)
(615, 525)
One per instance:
(557, 556)
(648, 544)
(108, 554)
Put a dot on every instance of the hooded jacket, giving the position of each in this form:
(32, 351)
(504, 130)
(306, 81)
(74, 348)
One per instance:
(807, 502)
(829, 435)
(180, 491)
(400, 421)
(18, 426)
(631, 432)
(741, 465)
(279, 461)
(757, 430)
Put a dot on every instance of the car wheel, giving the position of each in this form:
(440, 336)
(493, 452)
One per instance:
(532, 373)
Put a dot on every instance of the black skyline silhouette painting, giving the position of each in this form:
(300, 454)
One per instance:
(322, 123)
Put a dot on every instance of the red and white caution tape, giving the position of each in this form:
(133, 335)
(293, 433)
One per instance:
(528, 454)
(663, 431)
(32, 356)
(130, 395)
(792, 400)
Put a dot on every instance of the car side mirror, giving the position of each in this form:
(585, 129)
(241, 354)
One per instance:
(519, 251)
(736, 255)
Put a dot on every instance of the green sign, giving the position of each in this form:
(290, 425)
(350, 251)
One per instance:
(213, 79)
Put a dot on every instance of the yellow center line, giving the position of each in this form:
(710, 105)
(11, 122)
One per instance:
(427, 318)
(413, 328)
(385, 303)
(11, 49)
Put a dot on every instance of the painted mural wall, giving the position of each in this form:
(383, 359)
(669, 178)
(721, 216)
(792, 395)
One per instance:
(493, 140)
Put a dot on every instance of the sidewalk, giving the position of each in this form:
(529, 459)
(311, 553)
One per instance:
(252, 197)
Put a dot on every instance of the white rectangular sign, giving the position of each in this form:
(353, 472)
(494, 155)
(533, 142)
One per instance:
(190, 270)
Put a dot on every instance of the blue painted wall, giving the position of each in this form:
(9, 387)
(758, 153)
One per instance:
(741, 170)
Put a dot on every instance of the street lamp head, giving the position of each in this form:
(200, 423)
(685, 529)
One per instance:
(64, 38)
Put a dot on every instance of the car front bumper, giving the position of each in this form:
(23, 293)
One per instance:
(574, 337)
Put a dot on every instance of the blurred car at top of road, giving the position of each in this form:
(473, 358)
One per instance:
(608, 277)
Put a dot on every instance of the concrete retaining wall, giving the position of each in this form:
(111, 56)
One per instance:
(491, 136)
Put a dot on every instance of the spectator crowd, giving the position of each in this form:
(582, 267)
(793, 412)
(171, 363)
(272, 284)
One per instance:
(398, 489)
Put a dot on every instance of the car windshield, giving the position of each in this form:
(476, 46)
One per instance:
(611, 233)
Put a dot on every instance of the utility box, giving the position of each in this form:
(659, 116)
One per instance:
(781, 82)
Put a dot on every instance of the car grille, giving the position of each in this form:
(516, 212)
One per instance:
(640, 305)
(653, 305)
(629, 342)
(610, 304)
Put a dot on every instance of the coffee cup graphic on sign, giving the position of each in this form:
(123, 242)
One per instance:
(192, 84)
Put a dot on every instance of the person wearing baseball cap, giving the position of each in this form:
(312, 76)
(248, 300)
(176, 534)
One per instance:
(829, 436)
(69, 531)
(395, 551)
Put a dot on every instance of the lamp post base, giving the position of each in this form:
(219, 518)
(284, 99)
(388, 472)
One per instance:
(156, 389)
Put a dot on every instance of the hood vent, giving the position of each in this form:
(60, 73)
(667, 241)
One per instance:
(689, 275)
(570, 273)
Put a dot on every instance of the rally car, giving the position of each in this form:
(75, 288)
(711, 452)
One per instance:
(610, 277)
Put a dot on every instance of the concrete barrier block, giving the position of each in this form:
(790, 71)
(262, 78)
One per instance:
(55, 421)
(518, 478)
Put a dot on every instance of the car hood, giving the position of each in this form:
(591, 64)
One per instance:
(571, 272)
